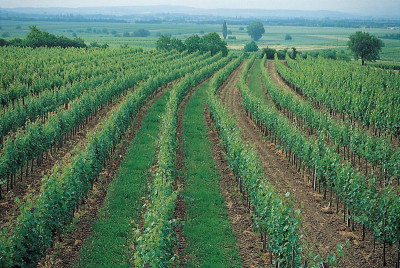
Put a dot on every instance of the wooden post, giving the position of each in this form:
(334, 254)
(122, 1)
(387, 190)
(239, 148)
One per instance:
(384, 253)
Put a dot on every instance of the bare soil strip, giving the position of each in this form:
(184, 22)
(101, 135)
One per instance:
(320, 226)
(277, 78)
(361, 164)
(31, 184)
(66, 247)
(250, 245)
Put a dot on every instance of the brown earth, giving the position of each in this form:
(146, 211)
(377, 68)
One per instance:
(358, 163)
(66, 246)
(30, 184)
(321, 228)
(339, 116)
(250, 245)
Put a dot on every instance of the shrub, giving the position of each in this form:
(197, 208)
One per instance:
(251, 47)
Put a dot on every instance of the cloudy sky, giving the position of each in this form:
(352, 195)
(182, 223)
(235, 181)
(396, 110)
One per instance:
(349, 6)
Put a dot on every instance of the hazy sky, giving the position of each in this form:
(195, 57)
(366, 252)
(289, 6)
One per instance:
(350, 6)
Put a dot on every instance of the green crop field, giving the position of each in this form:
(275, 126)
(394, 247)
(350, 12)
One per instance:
(171, 154)
(303, 38)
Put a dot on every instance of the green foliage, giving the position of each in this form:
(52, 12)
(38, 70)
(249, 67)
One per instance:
(119, 215)
(3, 42)
(126, 34)
(251, 47)
(347, 87)
(207, 229)
(368, 204)
(273, 215)
(386, 65)
(288, 37)
(365, 46)
(293, 54)
(155, 244)
(212, 42)
(141, 33)
(177, 44)
(232, 37)
(224, 30)
(192, 43)
(61, 192)
(255, 29)
(39, 137)
(270, 53)
(97, 45)
(391, 36)
(38, 38)
(163, 43)
(327, 54)
(207, 43)
(5, 34)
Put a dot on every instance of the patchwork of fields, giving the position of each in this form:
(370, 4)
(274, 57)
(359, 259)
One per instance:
(303, 38)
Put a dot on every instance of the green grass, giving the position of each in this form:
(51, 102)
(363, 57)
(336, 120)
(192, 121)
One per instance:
(254, 81)
(210, 241)
(109, 245)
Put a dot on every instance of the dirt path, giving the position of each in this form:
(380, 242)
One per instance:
(31, 184)
(321, 228)
(66, 247)
(250, 245)
(339, 116)
(358, 163)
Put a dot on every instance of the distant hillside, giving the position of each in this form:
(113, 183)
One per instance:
(179, 14)
(142, 10)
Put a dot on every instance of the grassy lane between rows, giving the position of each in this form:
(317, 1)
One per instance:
(110, 243)
(207, 230)
(254, 80)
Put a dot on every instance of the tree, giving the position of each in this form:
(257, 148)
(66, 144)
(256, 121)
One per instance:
(126, 34)
(177, 44)
(213, 42)
(224, 30)
(3, 42)
(294, 53)
(365, 46)
(255, 29)
(192, 43)
(164, 42)
(288, 37)
(141, 33)
(269, 53)
(168, 43)
(251, 47)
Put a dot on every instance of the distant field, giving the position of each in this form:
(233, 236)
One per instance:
(303, 38)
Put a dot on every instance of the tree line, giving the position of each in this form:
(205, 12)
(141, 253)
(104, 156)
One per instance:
(209, 42)
(39, 38)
